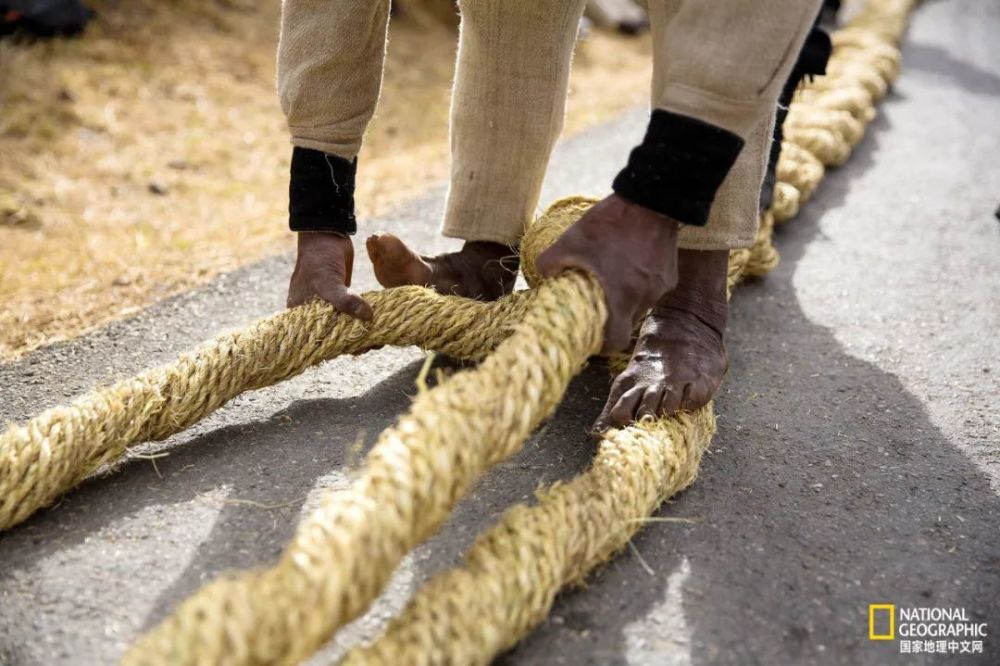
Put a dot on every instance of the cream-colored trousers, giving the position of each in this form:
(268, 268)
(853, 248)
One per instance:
(721, 62)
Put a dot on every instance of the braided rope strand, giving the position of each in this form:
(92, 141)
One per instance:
(514, 570)
(50, 454)
(343, 554)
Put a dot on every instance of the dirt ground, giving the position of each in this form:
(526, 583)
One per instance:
(151, 154)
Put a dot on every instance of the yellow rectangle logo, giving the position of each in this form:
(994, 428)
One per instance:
(891, 609)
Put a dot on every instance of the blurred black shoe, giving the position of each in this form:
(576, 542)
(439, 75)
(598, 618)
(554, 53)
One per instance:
(44, 18)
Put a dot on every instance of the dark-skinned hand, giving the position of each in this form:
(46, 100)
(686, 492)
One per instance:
(630, 249)
(323, 268)
(680, 357)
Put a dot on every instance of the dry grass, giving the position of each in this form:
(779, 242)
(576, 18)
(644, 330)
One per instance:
(151, 154)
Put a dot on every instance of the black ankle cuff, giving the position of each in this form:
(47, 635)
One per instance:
(678, 167)
(812, 61)
(813, 57)
(321, 192)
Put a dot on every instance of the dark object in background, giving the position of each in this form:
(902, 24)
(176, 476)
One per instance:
(624, 16)
(43, 18)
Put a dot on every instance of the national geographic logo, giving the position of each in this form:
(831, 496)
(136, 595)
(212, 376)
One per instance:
(878, 613)
(927, 630)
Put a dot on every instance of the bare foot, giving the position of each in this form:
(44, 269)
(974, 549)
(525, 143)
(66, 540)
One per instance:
(481, 270)
(680, 359)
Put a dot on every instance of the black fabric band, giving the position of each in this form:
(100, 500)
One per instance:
(321, 192)
(815, 54)
(678, 167)
(812, 61)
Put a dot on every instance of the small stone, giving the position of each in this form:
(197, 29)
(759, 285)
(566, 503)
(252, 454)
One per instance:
(158, 189)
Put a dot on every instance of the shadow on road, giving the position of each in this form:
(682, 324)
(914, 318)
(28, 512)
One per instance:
(828, 489)
(952, 70)
(263, 472)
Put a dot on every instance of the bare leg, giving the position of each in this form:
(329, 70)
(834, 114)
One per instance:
(507, 111)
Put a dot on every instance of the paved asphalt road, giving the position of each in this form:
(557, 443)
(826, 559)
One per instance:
(857, 459)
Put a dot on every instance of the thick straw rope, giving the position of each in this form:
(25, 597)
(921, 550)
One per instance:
(512, 573)
(51, 453)
(344, 552)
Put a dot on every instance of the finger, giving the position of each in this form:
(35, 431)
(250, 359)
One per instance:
(346, 301)
(348, 262)
(673, 394)
(623, 413)
(550, 262)
(556, 259)
(603, 421)
(697, 394)
(617, 331)
(650, 403)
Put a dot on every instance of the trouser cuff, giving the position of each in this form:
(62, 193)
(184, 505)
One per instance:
(679, 167)
(321, 192)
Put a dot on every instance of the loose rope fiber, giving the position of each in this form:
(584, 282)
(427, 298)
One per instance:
(344, 552)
